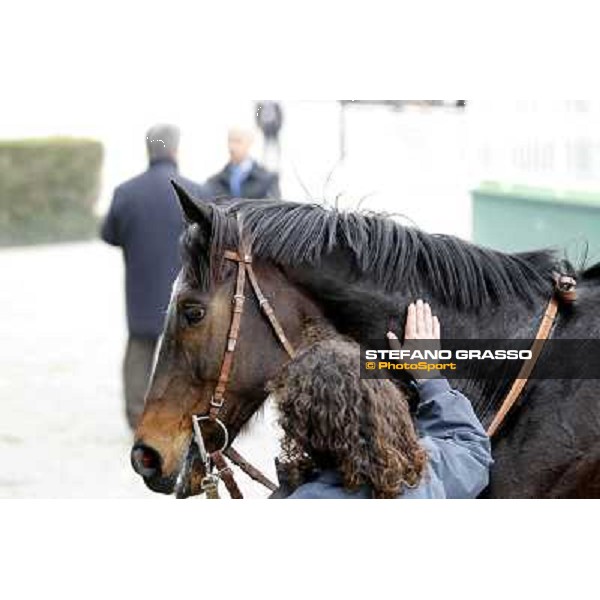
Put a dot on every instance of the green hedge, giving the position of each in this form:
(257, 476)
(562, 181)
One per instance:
(48, 188)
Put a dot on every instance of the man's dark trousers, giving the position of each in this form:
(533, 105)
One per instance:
(137, 368)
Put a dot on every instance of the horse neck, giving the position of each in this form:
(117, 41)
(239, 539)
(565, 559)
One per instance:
(510, 320)
(366, 313)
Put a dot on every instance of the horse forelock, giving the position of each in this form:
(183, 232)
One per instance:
(389, 255)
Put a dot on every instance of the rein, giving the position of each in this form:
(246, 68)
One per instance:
(209, 484)
(565, 290)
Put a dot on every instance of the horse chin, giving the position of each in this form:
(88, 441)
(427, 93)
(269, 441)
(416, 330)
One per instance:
(191, 472)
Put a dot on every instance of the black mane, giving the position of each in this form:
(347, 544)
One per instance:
(389, 255)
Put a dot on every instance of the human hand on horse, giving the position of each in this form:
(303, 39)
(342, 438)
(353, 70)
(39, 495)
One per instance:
(421, 331)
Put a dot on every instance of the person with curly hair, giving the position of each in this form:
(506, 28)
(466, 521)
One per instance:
(347, 437)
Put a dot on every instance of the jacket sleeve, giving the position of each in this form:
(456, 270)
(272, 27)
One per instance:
(110, 231)
(458, 447)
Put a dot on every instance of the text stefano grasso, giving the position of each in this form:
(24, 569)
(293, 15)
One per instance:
(415, 354)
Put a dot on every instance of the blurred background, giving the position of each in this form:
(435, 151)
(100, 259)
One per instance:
(512, 175)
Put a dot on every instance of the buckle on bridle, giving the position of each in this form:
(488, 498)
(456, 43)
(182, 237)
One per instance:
(565, 287)
(217, 403)
(227, 469)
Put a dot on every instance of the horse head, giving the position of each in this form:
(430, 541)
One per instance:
(194, 345)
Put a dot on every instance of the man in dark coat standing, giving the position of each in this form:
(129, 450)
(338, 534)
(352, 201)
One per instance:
(243, 177)
(146, 222)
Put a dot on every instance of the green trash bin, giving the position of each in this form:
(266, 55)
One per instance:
(518, 218)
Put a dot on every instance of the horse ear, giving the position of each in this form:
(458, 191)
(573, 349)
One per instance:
(193, 211)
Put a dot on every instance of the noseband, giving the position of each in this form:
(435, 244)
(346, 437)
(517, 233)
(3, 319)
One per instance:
(243, 258)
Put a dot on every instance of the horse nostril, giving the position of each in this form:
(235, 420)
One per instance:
(145, 461)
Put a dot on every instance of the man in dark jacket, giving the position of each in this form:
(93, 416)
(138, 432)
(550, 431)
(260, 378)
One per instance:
(243, 177)
(146, 222)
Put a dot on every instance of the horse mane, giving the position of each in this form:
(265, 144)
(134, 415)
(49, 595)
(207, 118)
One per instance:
(390, 256)
(592, 272)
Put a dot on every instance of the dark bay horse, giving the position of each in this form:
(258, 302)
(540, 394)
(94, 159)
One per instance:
(358, 273)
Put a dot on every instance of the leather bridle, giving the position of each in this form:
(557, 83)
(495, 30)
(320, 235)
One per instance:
(565, 291)
(243, 258)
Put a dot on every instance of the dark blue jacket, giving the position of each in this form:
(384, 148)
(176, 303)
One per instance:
(145, 220)
(459, 452)
(258, 185)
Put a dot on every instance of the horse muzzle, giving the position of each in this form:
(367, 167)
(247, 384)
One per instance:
(147, 462)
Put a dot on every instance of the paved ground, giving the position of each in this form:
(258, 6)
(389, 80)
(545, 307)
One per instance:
(62, 431)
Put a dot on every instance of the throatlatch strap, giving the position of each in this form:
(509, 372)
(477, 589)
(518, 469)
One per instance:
(270, 313)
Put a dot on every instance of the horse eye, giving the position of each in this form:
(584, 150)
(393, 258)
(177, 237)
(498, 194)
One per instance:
(193, 313)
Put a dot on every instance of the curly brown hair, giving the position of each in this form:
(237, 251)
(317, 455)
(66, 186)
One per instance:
(332, 418)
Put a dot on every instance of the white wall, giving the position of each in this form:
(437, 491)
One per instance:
(412, 162)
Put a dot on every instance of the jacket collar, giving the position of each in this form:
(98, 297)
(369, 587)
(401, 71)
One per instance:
(329, 476)
(224, 174)
(245, 166)
(167, 162)
(333, 478)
